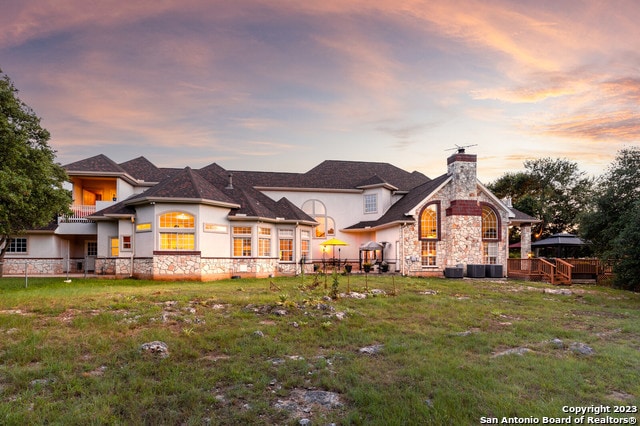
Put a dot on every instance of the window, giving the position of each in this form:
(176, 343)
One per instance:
(264, 242)
(177, 220)
(429, 222)
(286, 244)
(17, 245)
(92, 248)
(126, 243)
(490, 252)
(305, 244)
(115, 246)
(177, 231)
(242, 241)
(428, 253)
(371, 203)
(176, 241)
(316, 209)
(489, 223)
(143, 227)
(429, 233)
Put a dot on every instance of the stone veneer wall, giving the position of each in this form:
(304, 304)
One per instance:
(40, 266)
(464, 240)
(190, 266)
(118, 266)
(460, 224)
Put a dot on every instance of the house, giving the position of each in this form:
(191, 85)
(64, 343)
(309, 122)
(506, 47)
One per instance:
(135, 219)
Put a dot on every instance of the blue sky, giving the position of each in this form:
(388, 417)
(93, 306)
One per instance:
(283, 85)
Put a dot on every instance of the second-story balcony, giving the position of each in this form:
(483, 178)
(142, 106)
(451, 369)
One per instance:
(79, 213)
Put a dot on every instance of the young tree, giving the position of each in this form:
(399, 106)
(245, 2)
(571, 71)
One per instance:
(31, 193)
(555, 191)
(613, 224)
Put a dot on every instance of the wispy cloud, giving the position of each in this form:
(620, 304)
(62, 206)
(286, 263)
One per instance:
(193, 80)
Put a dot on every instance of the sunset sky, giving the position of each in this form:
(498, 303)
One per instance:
(281, 85)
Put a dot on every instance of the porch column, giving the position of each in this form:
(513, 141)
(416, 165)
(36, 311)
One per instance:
(525, 240)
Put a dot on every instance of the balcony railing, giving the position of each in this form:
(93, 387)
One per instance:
(78, 214)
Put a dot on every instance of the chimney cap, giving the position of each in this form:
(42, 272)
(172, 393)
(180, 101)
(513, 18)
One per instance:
(461, 148)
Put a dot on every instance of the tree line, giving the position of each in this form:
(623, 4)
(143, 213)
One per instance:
(604, 211)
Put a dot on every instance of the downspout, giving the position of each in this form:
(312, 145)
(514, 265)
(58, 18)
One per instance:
(402, 250)
(133, 243)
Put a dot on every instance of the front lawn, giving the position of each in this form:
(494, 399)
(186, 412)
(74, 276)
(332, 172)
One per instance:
(275, 351)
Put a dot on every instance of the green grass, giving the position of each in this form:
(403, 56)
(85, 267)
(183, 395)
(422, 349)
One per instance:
(70, 352)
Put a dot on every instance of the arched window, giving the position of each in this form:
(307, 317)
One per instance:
(489, 223)
(430, 222)
(177, 231)
(317, 210)
(429, 233)
(177, 220)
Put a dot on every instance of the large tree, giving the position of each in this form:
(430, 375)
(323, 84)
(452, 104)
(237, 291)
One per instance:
(553, 190)
(612, 226)
(31, 192)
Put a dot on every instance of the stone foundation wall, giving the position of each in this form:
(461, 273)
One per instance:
(35, 266)
(143, 268)
(118, 266)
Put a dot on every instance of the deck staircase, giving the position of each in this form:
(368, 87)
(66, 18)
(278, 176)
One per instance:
(557, 271)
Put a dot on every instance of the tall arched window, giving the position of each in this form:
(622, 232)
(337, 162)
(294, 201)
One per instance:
(429, 222)
(490, 235)
(177, 231)
(489, 224)
(317, 210)
(429, 233)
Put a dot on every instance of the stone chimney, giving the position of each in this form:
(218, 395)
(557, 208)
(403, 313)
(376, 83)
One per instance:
(462, 168)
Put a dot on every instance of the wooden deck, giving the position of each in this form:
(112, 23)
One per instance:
(558, 271)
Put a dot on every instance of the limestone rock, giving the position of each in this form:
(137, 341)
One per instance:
(156, 348)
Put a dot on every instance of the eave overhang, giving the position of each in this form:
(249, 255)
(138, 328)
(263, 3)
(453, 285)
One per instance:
(289, 189)
(175, 200)
(244, 218)
(379, 227)
(124, 176)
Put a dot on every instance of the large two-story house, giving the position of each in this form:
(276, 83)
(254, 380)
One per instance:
(135, 219)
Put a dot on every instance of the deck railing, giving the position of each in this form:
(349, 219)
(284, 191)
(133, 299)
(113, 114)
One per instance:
(547, 269)
(79, 212)
(557, 272)
(563, 270)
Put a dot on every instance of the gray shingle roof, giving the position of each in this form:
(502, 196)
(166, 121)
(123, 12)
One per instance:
(144, 170)
(397, 211)
(334, 174)
(119, 208)
(99, 163)
(522, 216)
(187, 184)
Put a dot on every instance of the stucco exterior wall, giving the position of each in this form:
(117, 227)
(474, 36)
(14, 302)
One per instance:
(346, 209)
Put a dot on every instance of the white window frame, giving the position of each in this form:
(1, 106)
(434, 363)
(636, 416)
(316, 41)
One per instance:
(490, 252)
(177, 228)
(126, 246)
(244, 237)
(264, 241)
(286, 235)
(13, 245)
(305, 238)
(428, 261)
(370, 203)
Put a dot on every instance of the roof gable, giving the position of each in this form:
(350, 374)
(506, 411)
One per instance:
(186, 185)
(144, 170)
(351, 174)
(99, 163)
(398, 211)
